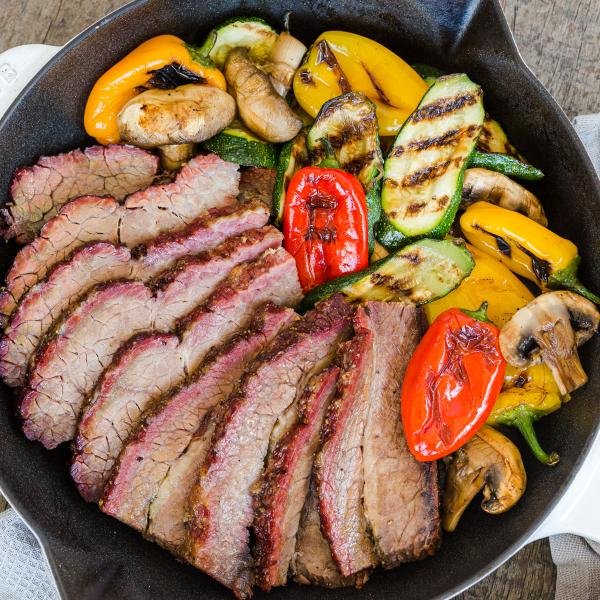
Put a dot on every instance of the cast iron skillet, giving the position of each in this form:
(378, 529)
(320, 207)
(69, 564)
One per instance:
(94, 556)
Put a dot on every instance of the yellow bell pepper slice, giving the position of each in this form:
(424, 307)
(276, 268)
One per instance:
(339, 62)
(122, 82)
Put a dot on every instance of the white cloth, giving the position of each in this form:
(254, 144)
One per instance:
(25, 574)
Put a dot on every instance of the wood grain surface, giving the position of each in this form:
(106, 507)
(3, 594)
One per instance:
(558, 40)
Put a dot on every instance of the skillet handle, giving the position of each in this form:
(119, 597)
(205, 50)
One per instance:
(18, 66)
(577, 511)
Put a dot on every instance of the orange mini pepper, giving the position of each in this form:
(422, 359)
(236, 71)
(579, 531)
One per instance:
(124, 80)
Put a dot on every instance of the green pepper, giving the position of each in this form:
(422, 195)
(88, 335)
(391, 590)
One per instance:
(505, 164)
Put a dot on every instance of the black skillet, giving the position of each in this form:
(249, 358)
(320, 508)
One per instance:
(93, 556)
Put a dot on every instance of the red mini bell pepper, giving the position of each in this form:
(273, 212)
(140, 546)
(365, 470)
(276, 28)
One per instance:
(325, 224)
(451, 384)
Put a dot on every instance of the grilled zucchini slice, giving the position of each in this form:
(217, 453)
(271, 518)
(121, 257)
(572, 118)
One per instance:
(425, 167)
(237, 144)
(419, 273)
(505, 164)
(293, 156)
(493, 139)
(349, 124)
(245, 32)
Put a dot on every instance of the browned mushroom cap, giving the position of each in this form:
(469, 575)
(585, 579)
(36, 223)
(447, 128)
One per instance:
(261, 108)
(495, 188)
(549, 329)
(489, 462)
(186, 114)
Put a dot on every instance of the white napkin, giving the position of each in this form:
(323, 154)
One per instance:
(25, 573)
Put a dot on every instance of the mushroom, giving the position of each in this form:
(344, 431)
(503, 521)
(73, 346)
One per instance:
(286, 57)
(186, 114)
(496, 188)
(549, 329)
(261, 108)
(489, 461)
(173, 156)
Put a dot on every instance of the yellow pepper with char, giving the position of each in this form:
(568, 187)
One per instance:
(339, 62)
(525, 247)
(124, 80)
(527, 394)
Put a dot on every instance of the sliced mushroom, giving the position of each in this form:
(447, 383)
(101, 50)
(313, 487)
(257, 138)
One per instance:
(174, 156)
(286, 57)
(186, 114)
(496, 188)
(549, 329)
(261, 108)
(488, 462)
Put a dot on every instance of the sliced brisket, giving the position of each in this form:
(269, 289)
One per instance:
(312, 563)
(221, 502)
(68, 365)
(96, 263)
(38, 192)
(205, 182)
(400, 494)
(156, 469)
(257, 183)
(283, 487)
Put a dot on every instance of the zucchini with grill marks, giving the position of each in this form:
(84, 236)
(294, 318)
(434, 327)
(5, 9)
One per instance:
(493, 139)
(419, 273)
(505, 164)
(347, 125)
(237, 144)
(293, 156)
(252, 33)
(424, 170)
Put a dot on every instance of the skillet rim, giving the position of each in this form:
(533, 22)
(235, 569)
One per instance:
(573, 139)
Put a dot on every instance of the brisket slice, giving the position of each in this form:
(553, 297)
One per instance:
(99, 262)
(339, 463)
(68, 365)
(282, 488)
(38, 192)
(257, 183)
(400, 494)
(128, 386)
(312, 562)
(221, 501)
(146, 490)
(205, 182)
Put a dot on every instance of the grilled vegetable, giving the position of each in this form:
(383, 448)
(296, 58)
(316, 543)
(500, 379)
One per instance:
(293, 156)
(285, 58)
(339, 62)
(493, 139)
(489, 462)
(261, 108)
(348, 125)
(236, 144)
(252, 33)
(427, 72)
(525, 247)
(424, 170)
(325, 224)
(189, 113)
(451, 384)
(527, 395)
(174, 156)
(549, 329)
(162, 62)
(481, 184)
(419, 273)
(507, 165)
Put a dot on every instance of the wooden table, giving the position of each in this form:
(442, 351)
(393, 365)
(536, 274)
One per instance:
(558, 40)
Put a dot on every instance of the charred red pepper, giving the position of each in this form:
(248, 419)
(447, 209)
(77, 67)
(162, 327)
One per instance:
(451, 384)
(325, 224)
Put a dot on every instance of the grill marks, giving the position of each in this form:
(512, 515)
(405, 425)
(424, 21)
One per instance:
(380, 92)
(443, 106)
(326, 55)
